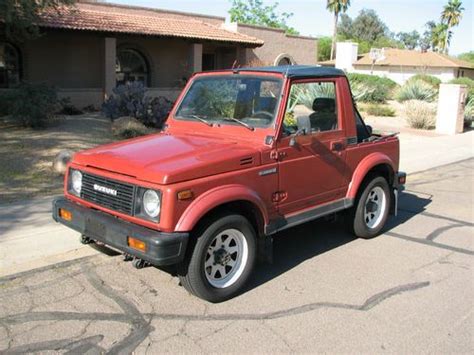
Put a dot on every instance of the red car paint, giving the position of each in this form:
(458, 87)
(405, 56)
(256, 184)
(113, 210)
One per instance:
(224, 164)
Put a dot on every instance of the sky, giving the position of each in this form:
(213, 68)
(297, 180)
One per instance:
(311, 17)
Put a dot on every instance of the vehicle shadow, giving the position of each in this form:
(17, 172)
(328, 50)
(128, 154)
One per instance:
(296, 245)
(307, 241)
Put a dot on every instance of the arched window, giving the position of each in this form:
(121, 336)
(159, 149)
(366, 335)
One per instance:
(284, 59)
(131, 65)
(9, 65)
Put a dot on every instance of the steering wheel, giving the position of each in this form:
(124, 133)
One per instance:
(268, 115)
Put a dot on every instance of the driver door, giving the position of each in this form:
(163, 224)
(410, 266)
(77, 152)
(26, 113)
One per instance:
(311, 165)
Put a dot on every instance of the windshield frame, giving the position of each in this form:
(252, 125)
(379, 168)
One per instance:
(226, 122)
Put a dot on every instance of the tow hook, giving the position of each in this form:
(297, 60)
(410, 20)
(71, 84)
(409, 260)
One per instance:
(139, 263)
(127, 257)
(85, 240)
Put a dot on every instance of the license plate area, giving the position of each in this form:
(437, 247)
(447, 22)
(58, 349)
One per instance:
(94, 227)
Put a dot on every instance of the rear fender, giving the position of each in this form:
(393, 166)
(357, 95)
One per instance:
(214, 198)
(363, 168)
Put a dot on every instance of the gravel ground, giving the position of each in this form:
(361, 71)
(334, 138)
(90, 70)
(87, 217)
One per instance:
(26, 155)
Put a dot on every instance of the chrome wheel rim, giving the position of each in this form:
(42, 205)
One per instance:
(375, 206)
(226, 258)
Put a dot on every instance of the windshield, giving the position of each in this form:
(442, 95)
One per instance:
(232, 99)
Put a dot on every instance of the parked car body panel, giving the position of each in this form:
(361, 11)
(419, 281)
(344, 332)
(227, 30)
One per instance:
(231, 163)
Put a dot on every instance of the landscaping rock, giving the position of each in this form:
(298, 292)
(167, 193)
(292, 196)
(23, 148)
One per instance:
(60, 161)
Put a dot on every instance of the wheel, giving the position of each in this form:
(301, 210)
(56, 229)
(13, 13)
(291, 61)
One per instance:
(222, 259)
(372, 208)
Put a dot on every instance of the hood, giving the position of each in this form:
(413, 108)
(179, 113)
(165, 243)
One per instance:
(167, 159)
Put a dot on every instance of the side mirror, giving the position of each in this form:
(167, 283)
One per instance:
(299, 132)
(369, 129)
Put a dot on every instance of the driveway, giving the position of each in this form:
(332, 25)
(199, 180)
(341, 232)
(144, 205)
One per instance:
(409, 290)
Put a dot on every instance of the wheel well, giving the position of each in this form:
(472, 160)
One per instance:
(242, 207)
(383, 170)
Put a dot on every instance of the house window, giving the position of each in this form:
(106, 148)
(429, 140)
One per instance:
(9, 65)
(284, 59)
(131, 65)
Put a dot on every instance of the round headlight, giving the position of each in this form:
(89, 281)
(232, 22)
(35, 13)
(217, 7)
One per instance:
(76, 181)
(151, 203)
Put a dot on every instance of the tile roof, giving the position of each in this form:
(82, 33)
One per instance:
(144, 21)
(405, 57)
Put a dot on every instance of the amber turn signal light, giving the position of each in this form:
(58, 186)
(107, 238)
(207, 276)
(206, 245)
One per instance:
(185, 195)
(136, 244)
(65, 214)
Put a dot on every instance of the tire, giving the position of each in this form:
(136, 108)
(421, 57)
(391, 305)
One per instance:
(370, 213)
(222, 259)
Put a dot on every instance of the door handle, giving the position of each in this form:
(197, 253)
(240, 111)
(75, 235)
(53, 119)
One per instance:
(337, 146)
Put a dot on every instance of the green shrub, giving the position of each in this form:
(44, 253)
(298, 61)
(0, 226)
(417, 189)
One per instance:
(130, 100)
(128, 133)
(371, 88)
(420, 114)
(468, 82)
(380, 110)
(67, 108)
(469, 111)
(33, 105)
(429, 79)
(416, 90)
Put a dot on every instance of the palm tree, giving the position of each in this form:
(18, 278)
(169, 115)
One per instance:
(451, 16)
(441, 37)
(336, 7)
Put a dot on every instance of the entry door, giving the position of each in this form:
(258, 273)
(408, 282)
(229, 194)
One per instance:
(312, 165)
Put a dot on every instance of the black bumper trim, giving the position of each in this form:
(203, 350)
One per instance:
(161, 248)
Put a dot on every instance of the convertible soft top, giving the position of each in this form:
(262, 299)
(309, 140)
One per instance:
(296, 71)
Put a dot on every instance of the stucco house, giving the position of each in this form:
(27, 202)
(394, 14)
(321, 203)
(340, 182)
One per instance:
(89, 49)
(399, 64)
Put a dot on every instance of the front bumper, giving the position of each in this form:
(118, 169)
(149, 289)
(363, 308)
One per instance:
(161, 248)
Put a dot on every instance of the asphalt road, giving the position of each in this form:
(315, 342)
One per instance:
(409, 290)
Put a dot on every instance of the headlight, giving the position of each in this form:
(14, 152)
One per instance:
(151, 203)
(76, 182)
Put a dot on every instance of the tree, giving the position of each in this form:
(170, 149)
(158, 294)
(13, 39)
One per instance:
(21, 18)
(428, 40)
(368, 30)
(410, 40)
(441, 37)
(253, 12)
(368, 26)
(468, 57)
(336, 7)
(344, 28)
(451, 16)
(324, 48)
(435, 37)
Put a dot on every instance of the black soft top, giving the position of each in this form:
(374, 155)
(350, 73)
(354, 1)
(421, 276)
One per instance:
(296, 71)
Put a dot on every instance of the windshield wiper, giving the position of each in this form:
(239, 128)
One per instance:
(239, 122)
(196, 117)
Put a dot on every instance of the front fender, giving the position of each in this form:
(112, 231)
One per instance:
(216, 197)
(363, 168)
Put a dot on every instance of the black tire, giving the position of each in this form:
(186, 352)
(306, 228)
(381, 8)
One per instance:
(358, 220)
(192, 272)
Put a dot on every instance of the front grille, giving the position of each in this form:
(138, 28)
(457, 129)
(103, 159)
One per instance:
(122, 202)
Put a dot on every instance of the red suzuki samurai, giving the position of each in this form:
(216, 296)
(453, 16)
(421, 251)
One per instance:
(245, 153)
